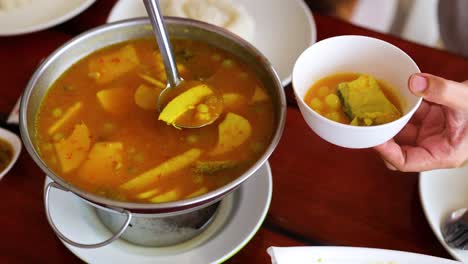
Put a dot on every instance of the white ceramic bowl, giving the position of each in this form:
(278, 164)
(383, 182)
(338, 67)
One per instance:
(357, 54)
(15, 143)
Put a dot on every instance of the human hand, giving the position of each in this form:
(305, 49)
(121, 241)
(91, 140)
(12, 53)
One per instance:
(436, 137)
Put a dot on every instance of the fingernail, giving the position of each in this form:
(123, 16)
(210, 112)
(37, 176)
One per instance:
(418, 83)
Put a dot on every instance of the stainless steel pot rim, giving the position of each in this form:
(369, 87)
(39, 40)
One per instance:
(193, 202)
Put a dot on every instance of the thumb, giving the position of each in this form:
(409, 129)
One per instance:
(440, 91)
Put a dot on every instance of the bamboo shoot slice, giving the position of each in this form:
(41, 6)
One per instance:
(69, 114)
(72, 151)
(164, 169)
(166, 197)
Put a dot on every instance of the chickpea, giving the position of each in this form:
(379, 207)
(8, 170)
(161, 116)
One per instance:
(333, 101)
(323, 91)
(316, 104)
(202, 108)
(227, 63)
(192, 139)
(333, 116)
(57, 112)
(203, 116)
(216, 57)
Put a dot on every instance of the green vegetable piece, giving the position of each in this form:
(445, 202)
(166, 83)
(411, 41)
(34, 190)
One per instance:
(363, 98)
(212, 167)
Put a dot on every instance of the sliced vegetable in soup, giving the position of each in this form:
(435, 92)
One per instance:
(98, 126)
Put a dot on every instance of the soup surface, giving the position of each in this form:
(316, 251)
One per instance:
(353, 98)
(6, 154)
(98, 126)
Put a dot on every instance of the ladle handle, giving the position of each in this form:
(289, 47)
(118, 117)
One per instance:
(71, 242)
(165, 47)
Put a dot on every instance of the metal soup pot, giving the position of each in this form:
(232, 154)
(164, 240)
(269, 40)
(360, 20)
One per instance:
(83, 45)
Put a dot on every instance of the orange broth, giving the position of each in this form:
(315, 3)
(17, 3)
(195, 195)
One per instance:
(146, 141)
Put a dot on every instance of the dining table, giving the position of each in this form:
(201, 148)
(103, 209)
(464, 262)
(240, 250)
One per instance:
(323, 195)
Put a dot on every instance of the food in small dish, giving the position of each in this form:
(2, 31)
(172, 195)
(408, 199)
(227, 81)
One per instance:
(6, 154)
(98, 126)
(223, 13)
(10, 148)
(355, 99)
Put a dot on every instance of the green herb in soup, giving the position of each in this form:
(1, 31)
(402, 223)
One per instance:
(98, 126)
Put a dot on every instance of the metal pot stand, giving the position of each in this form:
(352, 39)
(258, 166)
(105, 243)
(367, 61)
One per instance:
(237, 218)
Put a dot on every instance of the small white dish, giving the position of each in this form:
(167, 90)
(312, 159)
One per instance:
(282, 31)
(239, 217)
(15, 143)
(356, 54)
(35, 15)
(441, 192)
(349, 255)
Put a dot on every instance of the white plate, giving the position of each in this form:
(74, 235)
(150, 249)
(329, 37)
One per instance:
(36, 15)
(283, 29)
(376, 15)
(15, 143)
(349, 255)
(239, 217)
(443, 191)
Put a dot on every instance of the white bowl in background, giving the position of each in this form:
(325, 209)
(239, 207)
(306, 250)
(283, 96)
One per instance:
(357, 54)
(15, 143)
(32, 16)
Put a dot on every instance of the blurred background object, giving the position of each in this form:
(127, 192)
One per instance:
(453, 23)
(434, 23)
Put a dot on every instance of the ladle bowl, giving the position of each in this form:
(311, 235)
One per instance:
(170, 65)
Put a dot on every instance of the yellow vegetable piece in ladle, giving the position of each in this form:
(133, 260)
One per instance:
(184, 102)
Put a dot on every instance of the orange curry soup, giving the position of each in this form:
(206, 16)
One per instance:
(98, 126)
(322, 96)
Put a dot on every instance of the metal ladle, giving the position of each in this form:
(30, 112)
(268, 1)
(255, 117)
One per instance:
(173, 77)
